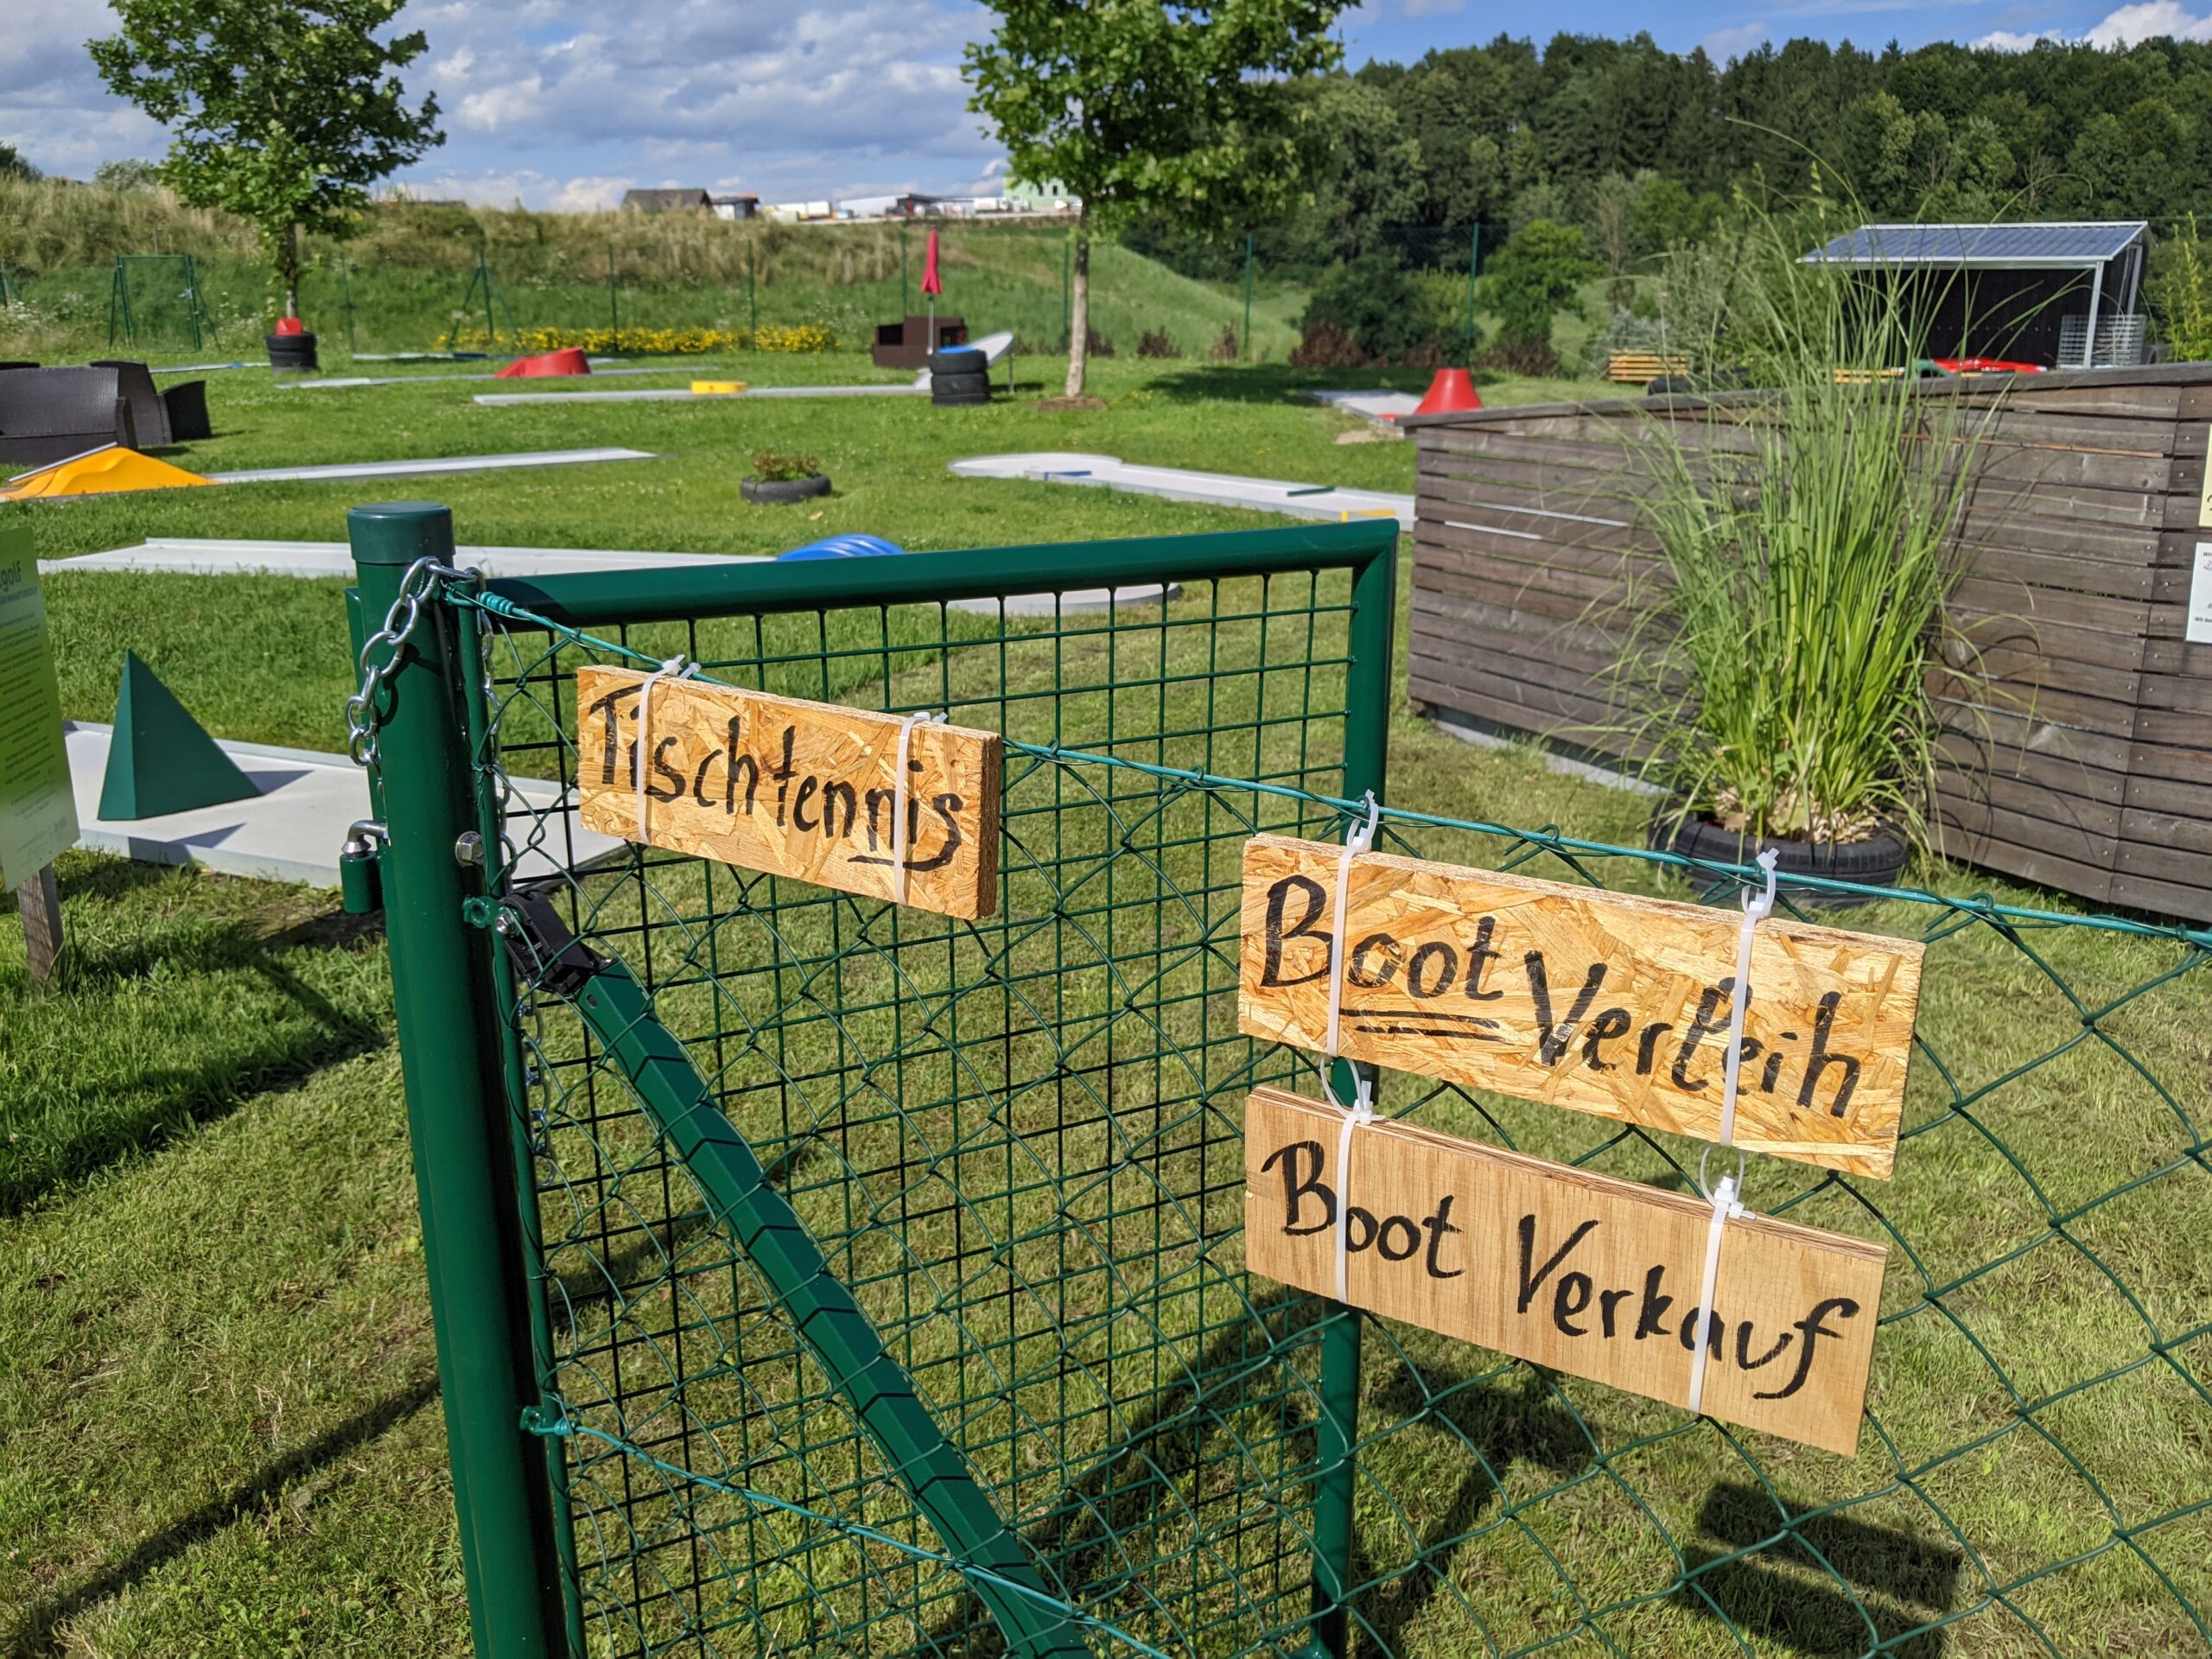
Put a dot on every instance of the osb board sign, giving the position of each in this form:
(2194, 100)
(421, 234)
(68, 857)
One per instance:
(1605, 1002)
(1585, 1273)
(793, 788)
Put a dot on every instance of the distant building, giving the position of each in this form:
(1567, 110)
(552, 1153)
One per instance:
(667, 202)
(736, 207)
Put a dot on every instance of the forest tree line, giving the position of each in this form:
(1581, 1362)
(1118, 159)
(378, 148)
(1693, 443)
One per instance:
(1642, 149)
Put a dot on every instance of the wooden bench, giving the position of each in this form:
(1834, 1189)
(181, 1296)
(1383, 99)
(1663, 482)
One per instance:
(1634, 368)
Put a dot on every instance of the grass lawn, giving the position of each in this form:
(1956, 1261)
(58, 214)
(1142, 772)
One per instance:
(218, 1431)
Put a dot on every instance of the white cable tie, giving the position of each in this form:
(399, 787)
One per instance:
(898, 801)
(1362, 1110)
(1724, 1207)
(1358, 840)
(1756, 910)
(681, 667)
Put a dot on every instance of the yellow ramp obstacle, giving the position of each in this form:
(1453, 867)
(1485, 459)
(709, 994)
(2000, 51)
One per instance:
(716, 388)
(102, 472)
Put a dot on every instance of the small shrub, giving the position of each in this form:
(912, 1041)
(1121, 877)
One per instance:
(1096, 343)
(1388, 313)
(1323, 344)
(1226, 349)
(772, 469)
(1157, 342)
(1533, 278)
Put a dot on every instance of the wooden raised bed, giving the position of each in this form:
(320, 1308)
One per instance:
(2079, 753)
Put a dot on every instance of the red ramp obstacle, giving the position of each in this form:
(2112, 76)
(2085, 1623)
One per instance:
(1452, 391)
(569, 360)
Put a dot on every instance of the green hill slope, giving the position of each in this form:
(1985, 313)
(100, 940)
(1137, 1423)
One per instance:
(402, 281)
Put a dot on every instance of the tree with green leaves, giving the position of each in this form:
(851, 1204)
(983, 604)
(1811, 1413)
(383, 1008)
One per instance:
(1533, 278)
(281, 111)
(1136, 106)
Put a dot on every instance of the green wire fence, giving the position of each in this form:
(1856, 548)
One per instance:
(817, 1277)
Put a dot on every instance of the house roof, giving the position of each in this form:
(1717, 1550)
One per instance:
(2062, 244)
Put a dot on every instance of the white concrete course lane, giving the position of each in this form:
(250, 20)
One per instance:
(293, 830)
(1322, 501)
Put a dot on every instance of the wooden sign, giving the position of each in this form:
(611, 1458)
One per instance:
(1585, 1273)
(794, 788)
(1605, 1002)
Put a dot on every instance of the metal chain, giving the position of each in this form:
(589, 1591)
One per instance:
(362, 716)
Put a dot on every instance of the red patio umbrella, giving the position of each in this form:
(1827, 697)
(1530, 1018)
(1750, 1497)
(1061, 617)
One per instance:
(932, 284)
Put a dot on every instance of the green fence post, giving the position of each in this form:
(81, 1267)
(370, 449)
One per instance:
(1067, 303)
(904, 308)
(752, 294)
(491, 328)
(345, 300)
(613, 298)
(450, 1058)
(1247, 295)
(1474, 258)
(1367, 726)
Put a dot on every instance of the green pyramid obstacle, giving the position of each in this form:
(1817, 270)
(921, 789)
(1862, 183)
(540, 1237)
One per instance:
(160, 759)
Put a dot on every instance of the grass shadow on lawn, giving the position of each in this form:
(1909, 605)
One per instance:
(149, 1032)
(41, 1632)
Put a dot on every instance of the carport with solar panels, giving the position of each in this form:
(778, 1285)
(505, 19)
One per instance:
(2058, 295)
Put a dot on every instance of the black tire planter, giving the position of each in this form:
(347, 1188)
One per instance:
(1875, 863)
(292, 353)
(958, 399)
(958, 383)
(964, 359)
(782, 492)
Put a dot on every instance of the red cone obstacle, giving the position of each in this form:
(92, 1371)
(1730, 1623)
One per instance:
(1450, 393)
(568, 360)
(288, 327)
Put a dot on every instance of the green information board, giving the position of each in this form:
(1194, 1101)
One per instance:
(38, 812)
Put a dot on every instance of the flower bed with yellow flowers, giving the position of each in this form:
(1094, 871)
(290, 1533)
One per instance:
(652, 342)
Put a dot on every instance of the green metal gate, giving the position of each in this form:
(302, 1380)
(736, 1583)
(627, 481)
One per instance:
(816, 1277)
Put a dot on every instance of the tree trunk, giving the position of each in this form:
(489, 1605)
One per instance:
(1079, 311)
(290, 271)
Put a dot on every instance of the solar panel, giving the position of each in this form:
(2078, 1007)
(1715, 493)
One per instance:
(2073, 243)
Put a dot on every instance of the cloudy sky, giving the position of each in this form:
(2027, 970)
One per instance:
(559, 103)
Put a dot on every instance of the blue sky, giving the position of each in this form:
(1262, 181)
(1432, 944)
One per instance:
(566, 102)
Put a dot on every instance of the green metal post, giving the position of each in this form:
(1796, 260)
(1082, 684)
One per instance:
(345, 300)
(1247, 295)
(1367, 722)
(752, 294)
(491, 328)
(1474, 257)
(1067, 301)
(449, 1059)
(903, 306)
(614, 298)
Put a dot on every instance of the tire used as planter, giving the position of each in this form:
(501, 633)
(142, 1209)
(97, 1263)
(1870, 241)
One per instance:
(1875, 863)
(958, 359)
(958, 383)
(771, 492)
(958, 399)
(292, 353)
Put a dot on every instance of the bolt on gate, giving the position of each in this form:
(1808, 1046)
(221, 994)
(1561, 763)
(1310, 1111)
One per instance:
(815, 1276)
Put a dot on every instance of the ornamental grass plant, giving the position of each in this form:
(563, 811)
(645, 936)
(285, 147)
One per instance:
(1778, 656)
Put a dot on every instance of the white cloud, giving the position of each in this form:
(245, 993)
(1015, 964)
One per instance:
(2147, 20)
(1724, 44)
(540, 97)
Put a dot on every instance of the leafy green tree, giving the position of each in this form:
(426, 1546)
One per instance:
(127, 176)
(13, 164)
(1533, 278)
(281, 111)
(1138, 106)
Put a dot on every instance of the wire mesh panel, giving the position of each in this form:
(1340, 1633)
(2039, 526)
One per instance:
(1017, 1144)
(1016, 1141)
